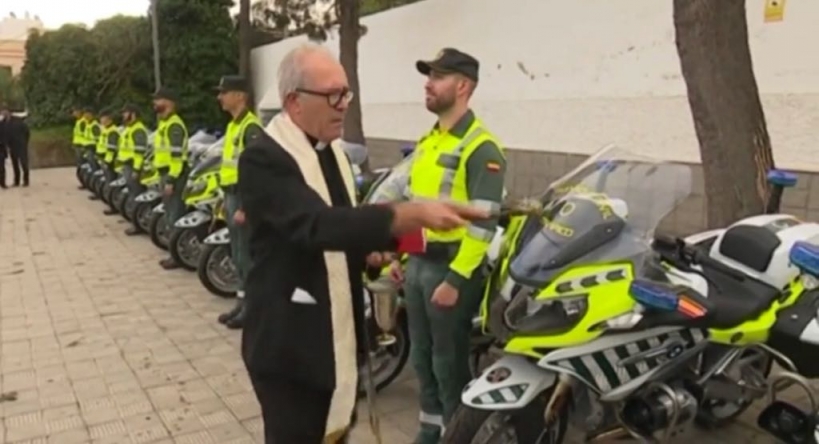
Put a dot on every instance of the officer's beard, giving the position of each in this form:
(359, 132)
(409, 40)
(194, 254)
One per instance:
(159, 109)
(439, 104)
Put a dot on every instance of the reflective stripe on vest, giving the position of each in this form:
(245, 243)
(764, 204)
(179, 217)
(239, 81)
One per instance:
(234, 145)
(78, 137)
(102, 142)
(166, 156)
(127, 148)
(439, 173)
(90, 138)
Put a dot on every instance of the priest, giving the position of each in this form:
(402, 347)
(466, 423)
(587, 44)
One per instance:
(304, 338)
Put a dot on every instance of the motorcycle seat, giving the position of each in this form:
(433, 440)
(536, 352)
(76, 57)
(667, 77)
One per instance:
(729, 303)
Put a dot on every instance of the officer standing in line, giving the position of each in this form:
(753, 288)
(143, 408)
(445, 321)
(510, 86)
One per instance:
(78, 141)
(92, 136)
(242, 129)
(460, 161)
(170, 159)
(107, 143)
(132, 148)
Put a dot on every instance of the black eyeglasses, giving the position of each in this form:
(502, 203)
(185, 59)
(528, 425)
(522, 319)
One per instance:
(334, 98)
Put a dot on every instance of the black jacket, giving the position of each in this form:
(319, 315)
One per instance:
(14, 133)
(290, 227)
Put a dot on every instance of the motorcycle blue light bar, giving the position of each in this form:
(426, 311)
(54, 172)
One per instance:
(805, 255)
(782, 178)
(654, 295)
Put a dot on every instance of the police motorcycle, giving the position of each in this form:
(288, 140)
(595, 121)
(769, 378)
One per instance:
(684, 334)
(203, 198)
(158, 229)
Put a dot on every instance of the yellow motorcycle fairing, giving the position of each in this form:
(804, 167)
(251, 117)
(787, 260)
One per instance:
(501, 272)
(605, 289)
(202, 188)
(755, 331)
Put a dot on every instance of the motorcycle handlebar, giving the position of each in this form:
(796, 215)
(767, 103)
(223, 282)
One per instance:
(691, 255)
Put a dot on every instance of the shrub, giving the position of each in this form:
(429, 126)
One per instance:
(51, 147)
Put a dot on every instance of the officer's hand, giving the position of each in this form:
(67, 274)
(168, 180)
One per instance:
(445, 296)
(239, 217)
(168, 189)
(397, 272)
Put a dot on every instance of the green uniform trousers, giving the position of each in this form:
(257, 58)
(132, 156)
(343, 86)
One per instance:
(238, 239)
(439, 342)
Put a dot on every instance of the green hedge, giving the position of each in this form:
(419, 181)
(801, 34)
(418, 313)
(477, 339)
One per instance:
(51, 147)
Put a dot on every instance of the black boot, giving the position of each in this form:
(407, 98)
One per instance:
(109, 212)
(168, 264)
(238, 321)
(225, 317)
(132, 231)
(93, 197)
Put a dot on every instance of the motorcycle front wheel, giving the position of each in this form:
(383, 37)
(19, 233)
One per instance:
(216, 271)
(142, 216)
(524, 426)
(185, 246)
(120, 201)
(159, 230)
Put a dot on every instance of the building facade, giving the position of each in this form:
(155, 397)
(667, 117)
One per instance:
(14, 32)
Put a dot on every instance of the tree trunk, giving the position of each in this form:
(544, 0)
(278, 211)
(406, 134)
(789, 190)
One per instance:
(245, 44)
(712, 42)
(349, 33)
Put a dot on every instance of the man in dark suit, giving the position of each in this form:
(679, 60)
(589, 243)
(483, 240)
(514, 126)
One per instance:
(3, 147)
(16, 135)
(304, 337)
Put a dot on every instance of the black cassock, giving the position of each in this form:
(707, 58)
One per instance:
(303, 335)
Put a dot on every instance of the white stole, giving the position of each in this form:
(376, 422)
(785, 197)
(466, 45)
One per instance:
(282, 129)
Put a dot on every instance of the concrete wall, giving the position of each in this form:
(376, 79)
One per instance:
(530, 172)
(559, 80)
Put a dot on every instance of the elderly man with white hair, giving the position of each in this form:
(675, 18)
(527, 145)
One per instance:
(304, 336)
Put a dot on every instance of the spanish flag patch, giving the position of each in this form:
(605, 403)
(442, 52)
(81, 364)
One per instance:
(493, 166)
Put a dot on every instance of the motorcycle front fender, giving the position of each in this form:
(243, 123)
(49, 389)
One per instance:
(159, 208)
(193, 219)
(510, 383)
(118, 182)
(219, 237)
(148, 196)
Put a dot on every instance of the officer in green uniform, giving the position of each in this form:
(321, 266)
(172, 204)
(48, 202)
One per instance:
(93, 131)
(170, 159)
(132, 148)
(78, 136)
(457, 160)
(243, 127)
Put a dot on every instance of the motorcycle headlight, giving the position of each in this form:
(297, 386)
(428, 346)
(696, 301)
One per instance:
(527, 315)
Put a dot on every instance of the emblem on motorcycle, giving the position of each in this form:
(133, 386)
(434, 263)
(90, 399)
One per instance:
(499, 374)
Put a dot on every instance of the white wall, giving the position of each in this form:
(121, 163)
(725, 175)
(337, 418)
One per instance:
(573, 76)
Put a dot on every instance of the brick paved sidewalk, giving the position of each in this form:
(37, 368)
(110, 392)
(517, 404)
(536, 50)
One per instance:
(98, 344)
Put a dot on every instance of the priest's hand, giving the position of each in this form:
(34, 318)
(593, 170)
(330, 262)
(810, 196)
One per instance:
(439, 216)
(445, 296)
(378, 259)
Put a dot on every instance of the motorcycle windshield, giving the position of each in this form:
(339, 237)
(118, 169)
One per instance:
(605, 210)
(392, 187)
(209, 158)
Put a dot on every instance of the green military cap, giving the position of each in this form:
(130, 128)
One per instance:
(450, 60)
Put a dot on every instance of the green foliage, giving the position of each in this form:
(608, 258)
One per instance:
(51, 147)
(11, 91)
(311, 17)
(112, 63)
